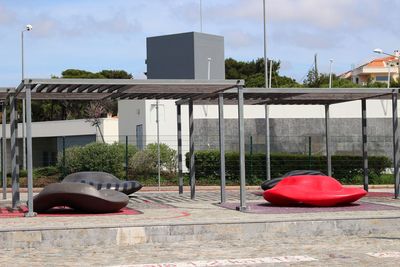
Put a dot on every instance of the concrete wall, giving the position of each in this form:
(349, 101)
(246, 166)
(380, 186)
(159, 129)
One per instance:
(290, 126)
(185, 56)
(209, 46)
(170, 57)
(291, 135)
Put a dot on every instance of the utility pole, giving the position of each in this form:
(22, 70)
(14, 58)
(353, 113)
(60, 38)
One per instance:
(201, 16)
(316, 66)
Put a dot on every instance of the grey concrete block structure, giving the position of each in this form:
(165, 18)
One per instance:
(185, 56)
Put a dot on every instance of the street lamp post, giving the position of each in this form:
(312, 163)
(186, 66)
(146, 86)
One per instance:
(27, 29)
(267, 113)
(380, 51)
(330, 73)
(395, 137)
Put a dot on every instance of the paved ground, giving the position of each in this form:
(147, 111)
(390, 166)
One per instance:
(334, 251)
(170, 208)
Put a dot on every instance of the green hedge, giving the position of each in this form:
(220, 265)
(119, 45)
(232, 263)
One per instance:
(96, 157)
(344, 168)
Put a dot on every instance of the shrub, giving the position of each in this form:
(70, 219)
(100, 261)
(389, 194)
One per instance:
(46, 171)
(96, 157)
(143, 163)
(344, 168)
(167, 157)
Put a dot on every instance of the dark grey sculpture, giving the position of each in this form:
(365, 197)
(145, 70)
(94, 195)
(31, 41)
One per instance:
(271, 183)
(79, 196)
(103, 180)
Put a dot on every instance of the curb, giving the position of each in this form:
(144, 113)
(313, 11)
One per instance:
(131, 235)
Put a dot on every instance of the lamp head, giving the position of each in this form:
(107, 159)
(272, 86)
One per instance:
(378, 51)
(29, 27)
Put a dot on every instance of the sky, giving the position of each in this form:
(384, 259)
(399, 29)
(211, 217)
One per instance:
(102, 34)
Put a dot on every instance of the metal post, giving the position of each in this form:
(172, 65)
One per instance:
(330, 73)
(30, 212)
(158, 147)
(63, 158)
(270, 74)
(179, 125)
(3, 182)
(328, 141)
(267, 144)
(126, 157)
(23, 135)
(4, 149)
(14, 152)
(243, 205)
(191, 152)
(251, 155)
(309, 153)
(364, 142)
(395, 121)
(201, 16)
(222, 145)
(265, 46)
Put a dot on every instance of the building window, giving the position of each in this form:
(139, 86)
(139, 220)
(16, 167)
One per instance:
(381, 78)
(139, 136)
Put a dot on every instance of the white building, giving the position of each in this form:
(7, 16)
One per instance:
(49, 137)
(137, 118)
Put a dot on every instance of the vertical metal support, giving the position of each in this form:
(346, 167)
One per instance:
(14, 152)
(23, 135)
(158, 146)
(328, 141)
(267, 145)
(179, 125)
(395, 120)
(364, 142)
(63, 156)
(309, 153)
(241, 151)
(191, 152)
(222, 145)
(30, 212)
(4, 149)
(126, 158)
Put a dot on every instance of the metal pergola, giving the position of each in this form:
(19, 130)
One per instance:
(192, 92)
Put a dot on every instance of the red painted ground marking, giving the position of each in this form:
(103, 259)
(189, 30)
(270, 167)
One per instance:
(61, 212)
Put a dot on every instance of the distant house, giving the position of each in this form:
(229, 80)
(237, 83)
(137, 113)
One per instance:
(377, 70)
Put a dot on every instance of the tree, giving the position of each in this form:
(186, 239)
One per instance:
(61, 110)
(253, 73)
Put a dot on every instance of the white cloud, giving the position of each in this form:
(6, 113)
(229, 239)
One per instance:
(319, 14)
(80, 25)
(236, 38)
(6, 15)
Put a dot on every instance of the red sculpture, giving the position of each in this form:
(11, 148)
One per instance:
(323, 191)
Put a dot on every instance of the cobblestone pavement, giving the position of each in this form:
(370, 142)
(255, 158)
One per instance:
(327, 251)
(173, 197)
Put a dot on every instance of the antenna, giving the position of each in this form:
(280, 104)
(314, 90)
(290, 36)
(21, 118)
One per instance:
(201, 16)
(316, 65)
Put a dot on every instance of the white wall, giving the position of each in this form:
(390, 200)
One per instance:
(130, 114)
(56, 128)
(168, 124)
(110, 130)
(109, 126)
(375, 109)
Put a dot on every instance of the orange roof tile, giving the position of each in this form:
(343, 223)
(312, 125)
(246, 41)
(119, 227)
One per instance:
(380, 62)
